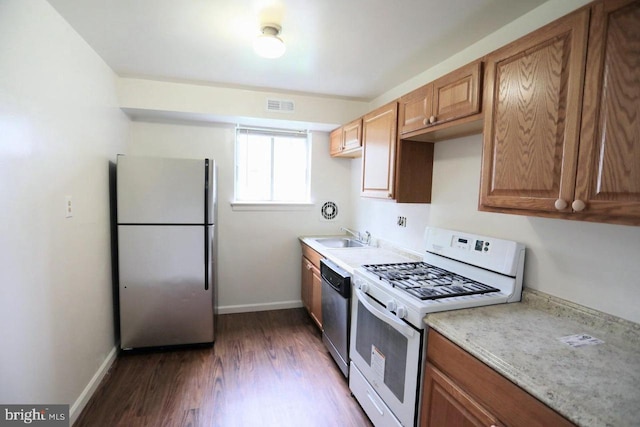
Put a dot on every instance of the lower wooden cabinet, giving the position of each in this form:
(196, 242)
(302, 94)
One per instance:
(311, 284)
(459, 390)
(448, 405)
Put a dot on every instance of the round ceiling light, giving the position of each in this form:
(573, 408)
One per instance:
(268, 44)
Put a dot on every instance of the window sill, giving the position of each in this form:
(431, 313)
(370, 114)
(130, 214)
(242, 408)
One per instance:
(271, 206)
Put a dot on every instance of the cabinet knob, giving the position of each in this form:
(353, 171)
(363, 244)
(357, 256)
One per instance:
(432, 119)
(560, 204)
(578, 205)
(308, 266)
(425, 121)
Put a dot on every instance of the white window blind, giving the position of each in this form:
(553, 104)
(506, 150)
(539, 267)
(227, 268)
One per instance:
(272, 166)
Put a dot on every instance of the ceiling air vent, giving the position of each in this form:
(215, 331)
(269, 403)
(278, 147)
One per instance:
(280, 105)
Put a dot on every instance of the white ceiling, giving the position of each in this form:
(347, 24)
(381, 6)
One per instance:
(348, 48)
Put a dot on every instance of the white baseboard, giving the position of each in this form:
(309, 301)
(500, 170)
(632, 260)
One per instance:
(246, 308)
(88, 391)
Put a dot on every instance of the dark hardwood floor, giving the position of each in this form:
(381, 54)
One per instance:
(265, 369)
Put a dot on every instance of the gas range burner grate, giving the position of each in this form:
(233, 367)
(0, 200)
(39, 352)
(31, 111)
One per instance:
(426, 281)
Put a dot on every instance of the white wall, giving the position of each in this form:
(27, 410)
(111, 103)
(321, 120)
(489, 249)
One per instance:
(60, 125)
(259, 253)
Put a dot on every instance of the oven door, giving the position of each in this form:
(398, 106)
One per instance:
(387, 351)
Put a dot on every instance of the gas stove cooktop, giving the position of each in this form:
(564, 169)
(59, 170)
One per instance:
(427, 282)
(458, 270)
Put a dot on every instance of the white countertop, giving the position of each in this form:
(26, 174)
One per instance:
(592, 385)
(352, 258)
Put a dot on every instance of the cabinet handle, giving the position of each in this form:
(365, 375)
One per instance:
(560, 204)
(432, 119)
(578, 205)
(308, 266)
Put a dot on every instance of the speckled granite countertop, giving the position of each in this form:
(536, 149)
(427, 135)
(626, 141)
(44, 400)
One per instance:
(591, 385)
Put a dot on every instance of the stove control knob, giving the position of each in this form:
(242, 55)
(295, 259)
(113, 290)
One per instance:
(391, 305)
(401, 312)
(364, 287)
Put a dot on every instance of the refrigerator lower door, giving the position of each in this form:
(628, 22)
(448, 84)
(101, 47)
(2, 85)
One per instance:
(163, 296)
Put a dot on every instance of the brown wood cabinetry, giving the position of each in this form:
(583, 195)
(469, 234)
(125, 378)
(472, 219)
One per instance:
(459, 390)
(379, 151)
(311, 284)
(608, 178)
(392, 168)
(346, 141)
(561, 129)
(449, 98)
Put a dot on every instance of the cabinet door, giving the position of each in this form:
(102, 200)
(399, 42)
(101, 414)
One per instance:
(415, 109)
(379, 151)
(457, 94)
(306, 283)
(335, 142)
(608, 180)
(445, 404)
(316, 296)
(352, 136)
(532, 107)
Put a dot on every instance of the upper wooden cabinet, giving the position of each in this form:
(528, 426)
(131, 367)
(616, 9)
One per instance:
(608, 179)
(451, 97)
(533, 100)
(393, 168)
(547, 150)
(346, 141)
(379, 151)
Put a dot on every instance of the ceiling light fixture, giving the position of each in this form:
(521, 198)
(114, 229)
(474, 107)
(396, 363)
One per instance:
(268, 44)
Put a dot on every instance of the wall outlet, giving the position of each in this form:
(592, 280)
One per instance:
(68, 213)
(402, 221)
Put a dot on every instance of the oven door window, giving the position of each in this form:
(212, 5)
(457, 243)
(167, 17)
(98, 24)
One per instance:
(384, 349)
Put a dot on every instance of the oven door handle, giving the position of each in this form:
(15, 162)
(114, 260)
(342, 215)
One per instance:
(390, 319)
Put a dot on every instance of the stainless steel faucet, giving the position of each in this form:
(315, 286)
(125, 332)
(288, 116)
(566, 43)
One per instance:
(355, 234)
(366, 239)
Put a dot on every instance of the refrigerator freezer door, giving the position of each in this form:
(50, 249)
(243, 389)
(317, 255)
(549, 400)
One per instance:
(163, 191)
(163, 300)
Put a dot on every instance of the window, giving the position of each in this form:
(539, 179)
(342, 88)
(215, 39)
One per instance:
(272, 166)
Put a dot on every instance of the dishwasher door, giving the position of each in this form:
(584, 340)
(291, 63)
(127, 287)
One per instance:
(336, 315)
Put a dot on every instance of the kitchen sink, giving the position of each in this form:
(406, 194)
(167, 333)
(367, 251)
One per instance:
(340, 242)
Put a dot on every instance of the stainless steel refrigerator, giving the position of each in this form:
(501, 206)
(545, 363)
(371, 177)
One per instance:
(166, 212)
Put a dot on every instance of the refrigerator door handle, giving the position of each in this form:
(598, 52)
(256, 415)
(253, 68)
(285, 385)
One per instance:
(206, 258)
(206, 191)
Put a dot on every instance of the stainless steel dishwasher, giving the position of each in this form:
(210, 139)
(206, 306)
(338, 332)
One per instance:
(336, 312)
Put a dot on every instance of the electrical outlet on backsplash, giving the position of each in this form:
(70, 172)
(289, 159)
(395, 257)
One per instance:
(402, 221)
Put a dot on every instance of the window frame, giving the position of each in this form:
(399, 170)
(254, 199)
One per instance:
(272, 204)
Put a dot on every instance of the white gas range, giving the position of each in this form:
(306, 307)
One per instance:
(390, 301)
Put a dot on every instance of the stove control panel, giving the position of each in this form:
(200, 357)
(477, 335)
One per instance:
(490, 253)
(468, 244)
